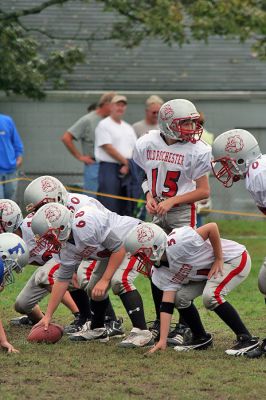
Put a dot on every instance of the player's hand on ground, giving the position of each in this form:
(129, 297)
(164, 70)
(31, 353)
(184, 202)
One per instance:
(165, 205)
(216, 269)
(99, 289)
(159, 346)
(8, 346)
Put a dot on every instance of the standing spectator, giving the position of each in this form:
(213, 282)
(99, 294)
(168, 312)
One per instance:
(11, 150)
(115, 141)
(153, 105)
(84, 130)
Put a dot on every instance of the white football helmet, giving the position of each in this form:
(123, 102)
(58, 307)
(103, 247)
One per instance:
(147, 242)
(10, 216)
(14, 256)
(43, 190)
(178, 119)
(233, 151)
(51, 225)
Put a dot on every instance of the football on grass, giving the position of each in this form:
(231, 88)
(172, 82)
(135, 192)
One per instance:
(39, 335)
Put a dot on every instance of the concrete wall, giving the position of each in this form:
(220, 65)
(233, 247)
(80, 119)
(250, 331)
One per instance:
(42, 123)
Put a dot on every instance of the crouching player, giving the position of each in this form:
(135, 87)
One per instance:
(14, 256)
(193, 263)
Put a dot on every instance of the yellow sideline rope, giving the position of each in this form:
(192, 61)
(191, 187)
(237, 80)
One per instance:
(207, 211)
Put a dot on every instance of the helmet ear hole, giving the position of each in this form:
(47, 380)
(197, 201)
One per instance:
(240, 161)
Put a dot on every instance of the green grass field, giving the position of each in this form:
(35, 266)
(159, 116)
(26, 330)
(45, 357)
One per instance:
(103, 371)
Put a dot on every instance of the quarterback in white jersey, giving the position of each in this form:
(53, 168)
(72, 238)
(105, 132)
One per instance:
(92, 234)
(187, 263)
(176, 163)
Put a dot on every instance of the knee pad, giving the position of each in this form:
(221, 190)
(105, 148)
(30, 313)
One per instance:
(117, 287)
(20, 306)
(181, 302)
(209, 301)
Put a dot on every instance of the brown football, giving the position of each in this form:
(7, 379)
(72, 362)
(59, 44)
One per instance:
(39, 335)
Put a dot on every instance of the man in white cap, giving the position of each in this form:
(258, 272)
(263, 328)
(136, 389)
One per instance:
(114, 143)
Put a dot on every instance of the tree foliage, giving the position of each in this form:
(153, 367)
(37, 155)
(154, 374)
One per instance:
(24, 68)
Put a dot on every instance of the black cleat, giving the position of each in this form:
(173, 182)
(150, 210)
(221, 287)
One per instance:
(24, 320)
(154, 328)
(114, 328)
(201, 343)
(244, 344)
(258, 352)
(76, 325)
(179, 335)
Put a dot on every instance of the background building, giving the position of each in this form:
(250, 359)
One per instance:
(224, 79)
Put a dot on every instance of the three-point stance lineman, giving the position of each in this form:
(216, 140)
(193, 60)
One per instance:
(194, 262)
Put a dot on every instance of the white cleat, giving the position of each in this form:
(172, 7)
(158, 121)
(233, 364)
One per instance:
(138, 338)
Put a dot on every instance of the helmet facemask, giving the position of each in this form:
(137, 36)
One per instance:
(146, 242)
(49, 241)
(10, 266)
(180, 131)
(51, 225)
(231, 170)
(144, 261)
(14, 256)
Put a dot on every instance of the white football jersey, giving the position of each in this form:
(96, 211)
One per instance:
(40, 255)
(256, 182)
(190, 258)
(76, 200)
(96, 234)
(171, 169)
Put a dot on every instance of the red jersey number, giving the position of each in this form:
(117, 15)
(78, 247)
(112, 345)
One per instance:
(170, 182)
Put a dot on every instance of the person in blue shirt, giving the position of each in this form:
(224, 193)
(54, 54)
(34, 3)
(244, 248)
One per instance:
(11, 151)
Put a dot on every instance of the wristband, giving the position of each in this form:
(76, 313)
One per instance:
(167, 307)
